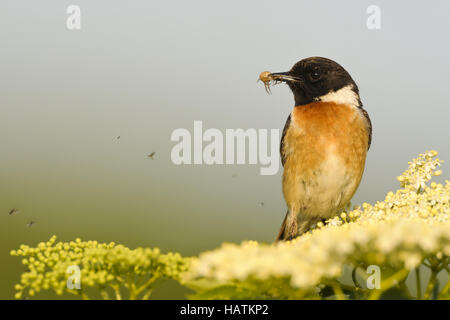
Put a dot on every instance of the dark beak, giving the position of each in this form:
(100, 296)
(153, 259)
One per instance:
(283, 76)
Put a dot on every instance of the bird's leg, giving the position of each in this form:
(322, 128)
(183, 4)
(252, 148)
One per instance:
(305, 223)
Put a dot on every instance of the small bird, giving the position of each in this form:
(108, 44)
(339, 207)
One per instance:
(13, 211)
(324, 142)
(151, 155)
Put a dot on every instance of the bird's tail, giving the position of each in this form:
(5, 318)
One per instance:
(282, 235)
(291, 228)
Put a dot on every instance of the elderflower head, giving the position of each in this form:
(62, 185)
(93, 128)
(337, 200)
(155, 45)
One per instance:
(408, 226)
(50, 264)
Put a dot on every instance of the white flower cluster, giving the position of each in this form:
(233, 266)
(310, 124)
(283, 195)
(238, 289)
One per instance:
(409, 226)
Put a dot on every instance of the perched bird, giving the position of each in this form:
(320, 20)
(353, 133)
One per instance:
(324, 142)
(152, 155)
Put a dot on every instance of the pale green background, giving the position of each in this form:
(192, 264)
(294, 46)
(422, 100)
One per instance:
(140, 69)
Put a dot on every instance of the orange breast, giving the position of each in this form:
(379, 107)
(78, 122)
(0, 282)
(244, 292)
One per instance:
(325, 149)
(318, 125)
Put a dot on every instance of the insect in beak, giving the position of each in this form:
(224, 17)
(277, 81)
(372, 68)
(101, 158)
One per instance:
(265, 77)
(269, 79)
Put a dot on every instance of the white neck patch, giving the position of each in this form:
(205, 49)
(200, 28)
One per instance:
(343, 96)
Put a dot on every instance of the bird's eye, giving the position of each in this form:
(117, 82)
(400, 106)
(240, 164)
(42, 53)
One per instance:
(315, 75)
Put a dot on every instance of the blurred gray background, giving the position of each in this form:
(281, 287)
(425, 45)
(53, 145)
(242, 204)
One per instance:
(141, 69)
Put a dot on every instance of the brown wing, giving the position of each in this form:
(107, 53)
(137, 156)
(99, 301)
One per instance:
(286, 126)
(369, 125)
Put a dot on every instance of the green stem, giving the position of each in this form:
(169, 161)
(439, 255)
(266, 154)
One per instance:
(147, 284)
(84, 296)
(446, 288)
(338, 292)
(355, 281)
(116, 289)
(405, 288)
(389, 283)
(418, 285)
(147, 294)
(133, 290)
(431, 284)
(104, 294)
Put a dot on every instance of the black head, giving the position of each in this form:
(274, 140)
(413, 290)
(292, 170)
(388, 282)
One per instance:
(313, 78)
